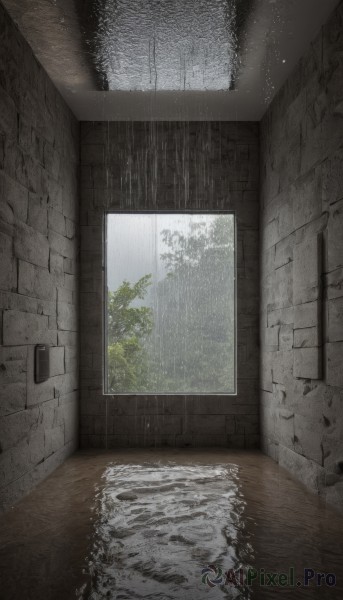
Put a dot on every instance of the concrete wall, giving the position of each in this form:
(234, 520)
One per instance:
(38, 268)
(169, 166)
(302, 268)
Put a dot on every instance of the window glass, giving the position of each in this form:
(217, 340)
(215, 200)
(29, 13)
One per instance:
(170, 306)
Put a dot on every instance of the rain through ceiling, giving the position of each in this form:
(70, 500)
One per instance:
(167, 60)
(167, 46)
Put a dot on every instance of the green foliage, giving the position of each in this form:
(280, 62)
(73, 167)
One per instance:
(127, 328)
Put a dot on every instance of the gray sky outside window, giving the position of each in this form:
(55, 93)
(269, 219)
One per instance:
(171, 303)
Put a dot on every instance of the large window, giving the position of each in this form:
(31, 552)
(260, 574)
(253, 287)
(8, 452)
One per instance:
(170, 305)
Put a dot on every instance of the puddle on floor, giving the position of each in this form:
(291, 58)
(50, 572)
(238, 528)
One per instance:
(166, 531)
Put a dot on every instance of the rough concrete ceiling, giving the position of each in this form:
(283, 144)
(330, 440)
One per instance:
(169, 59)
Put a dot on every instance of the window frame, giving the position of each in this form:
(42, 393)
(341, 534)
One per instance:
(108, 212)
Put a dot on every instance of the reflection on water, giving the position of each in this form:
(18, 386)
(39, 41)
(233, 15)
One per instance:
(159, 525)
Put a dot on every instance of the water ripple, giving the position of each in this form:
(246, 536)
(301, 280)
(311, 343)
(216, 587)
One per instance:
(159, 525)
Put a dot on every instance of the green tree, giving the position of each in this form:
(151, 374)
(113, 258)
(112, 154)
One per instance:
(128, 325)
(192, 344)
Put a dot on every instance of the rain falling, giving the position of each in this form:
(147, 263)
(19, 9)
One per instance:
(170, 303)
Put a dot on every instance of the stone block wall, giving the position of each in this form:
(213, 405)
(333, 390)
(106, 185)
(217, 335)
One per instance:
(169, 166)
(302, 268)
(39, 148)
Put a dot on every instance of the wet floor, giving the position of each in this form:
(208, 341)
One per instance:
(165, 525)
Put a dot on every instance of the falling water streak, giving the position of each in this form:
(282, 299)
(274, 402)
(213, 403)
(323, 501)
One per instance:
(106, 423)
(150, 69)
(157, 426)
(135, 421)
(185, 417)
(155, 66)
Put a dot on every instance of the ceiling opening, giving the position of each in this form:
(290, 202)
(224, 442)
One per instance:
(185, 60)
